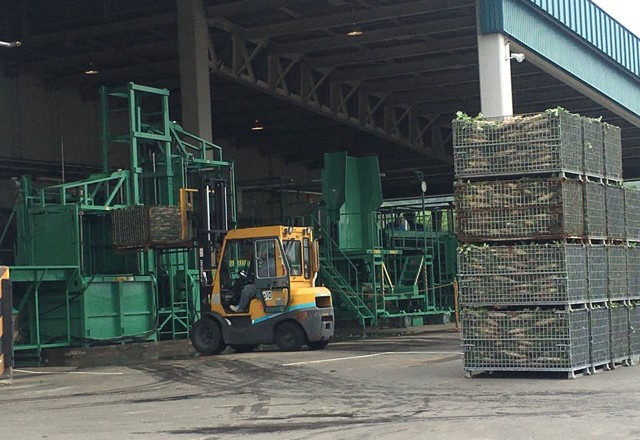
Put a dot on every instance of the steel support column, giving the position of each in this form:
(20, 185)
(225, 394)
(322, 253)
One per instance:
(193, 39)
(495, 75)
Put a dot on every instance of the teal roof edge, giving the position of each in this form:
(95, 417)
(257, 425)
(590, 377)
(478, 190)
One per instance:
(539, 25)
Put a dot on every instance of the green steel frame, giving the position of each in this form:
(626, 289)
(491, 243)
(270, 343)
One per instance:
(72, 287)
(379, 266)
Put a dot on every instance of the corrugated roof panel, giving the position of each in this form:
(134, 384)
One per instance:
(584, 18)
(594, 25)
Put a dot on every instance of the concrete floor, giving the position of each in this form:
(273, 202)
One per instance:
(399, 387)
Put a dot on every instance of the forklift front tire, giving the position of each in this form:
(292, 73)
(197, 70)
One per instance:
(206, 337)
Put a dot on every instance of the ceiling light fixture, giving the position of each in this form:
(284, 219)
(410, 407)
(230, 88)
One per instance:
(91, 70)
(257, 126)
(355, 31)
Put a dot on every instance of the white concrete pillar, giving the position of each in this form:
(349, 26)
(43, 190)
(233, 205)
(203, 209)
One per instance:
(193, 43)
(495, 75)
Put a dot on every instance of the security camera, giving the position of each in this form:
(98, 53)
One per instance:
(519, 57)
(10, 44)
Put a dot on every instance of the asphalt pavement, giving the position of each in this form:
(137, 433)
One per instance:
(409, 386)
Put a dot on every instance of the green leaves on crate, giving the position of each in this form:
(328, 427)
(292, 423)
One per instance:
(466, 248)
(462, 116)
(555, 111)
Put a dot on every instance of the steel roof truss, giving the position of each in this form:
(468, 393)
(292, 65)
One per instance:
(292, 79)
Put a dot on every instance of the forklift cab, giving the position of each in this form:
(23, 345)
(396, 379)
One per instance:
(257, 261)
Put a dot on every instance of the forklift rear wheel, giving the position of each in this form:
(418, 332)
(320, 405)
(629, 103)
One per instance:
(244, 348)
(289, 336)
(318, 345)
(206, 337)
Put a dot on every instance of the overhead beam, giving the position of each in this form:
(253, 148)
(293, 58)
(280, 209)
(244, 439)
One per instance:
(449, 63)
(395, 52)
(38, 40)
(435, 94)
(460, 24)
(421, 7)
(420, 81)
(147, 71)
(99, 58)
(247, 6)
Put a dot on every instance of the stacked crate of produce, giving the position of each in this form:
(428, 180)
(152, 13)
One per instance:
(524, 307)
(634, 329)
(148, 227)
(538, 249)
(632, 228)
(533, 144)
(503, 210)
(620, 342)
(623, 262)
(526, 339)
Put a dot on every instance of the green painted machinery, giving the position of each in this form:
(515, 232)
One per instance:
(118, 257)
(389, 262)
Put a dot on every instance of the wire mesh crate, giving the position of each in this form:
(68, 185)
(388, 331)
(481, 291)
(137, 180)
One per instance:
(612, 140)
(615, 211)
(633, 272)
(599, 334)
(526, 144)
(634, 328)
(543, 340)
(632, 213)
(595, 213)
(519, 209)
(554, 273)
(593, 142)
(597, 264)
(617, 272)
(619, 317)
(147, 227)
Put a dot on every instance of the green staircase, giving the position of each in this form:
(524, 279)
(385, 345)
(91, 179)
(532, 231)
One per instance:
(337, 284)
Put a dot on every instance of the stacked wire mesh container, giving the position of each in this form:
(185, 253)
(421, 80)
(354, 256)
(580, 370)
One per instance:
(537, 271)
(632, 231)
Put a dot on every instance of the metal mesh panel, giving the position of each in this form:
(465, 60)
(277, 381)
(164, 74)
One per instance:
(633, 272)
(599, 336)
(634, 329)
(619, 331)
(523, 274)
(595, 213)
(612, 152)
(540, 143)
(632, 213)
(617, 272)
(545, 340)
(593, 141)
(615, 211)
(519, 209)
(597, 272)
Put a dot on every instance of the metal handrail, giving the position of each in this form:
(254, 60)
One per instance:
(333, 245)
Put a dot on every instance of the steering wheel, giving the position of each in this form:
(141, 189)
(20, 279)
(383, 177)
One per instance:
(239, 283)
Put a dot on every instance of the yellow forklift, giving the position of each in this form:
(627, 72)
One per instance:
(274, 268)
